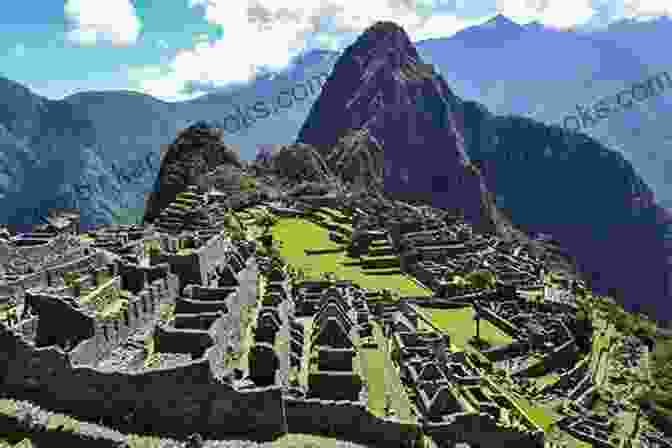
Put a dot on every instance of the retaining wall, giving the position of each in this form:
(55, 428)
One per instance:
(179, 401)
(348, 421)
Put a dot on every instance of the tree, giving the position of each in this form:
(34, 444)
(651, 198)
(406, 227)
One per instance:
(70, 278)
(456, 279)
(247, 183)
(266, 220)
(482, 279)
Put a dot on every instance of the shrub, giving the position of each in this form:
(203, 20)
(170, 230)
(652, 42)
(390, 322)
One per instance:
(247, 183)
(70, 278)
(482, 279)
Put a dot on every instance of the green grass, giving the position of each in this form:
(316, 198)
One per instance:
(114, 309)
(375, 378)
(294, 440)
(297, 235)
(537, 414)
(461, 327)
(546, 379)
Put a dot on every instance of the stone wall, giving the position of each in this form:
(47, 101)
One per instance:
(186, 267)
(27, 328)
(184, 305)
(480, 430)
(143, 309)
(86, 353)
(224, 335)
(198, 292)
(348, 421)
(196, 321)
(502, 352)
(171, 340)
(135, 278)
(573, 376)
(501, 323)
(59, 321)
(213, 253)
(17, 430)
(41, 279)
(55, 246)
(178, 401)
(563, 356)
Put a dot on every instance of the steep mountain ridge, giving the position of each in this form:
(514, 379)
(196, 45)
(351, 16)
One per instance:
(196, 152)
(378, 83)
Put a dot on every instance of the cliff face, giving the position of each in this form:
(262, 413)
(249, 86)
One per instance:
(196, 152)
(588, 197)
(386, 119)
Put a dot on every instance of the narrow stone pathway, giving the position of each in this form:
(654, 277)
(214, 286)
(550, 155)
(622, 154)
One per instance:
(248, 338)
(305, 363)
(400, 401)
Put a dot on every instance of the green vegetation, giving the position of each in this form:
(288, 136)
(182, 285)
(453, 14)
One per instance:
(661, 373)
(537, 414)
(481, 279)
(460, 325)
(247, 183)
(152, 248)
(266, 220)
(294, 440)
(374, 370)
(296, 235)
(113, 310)
(70, 278)
(7, 310)
(166, 311)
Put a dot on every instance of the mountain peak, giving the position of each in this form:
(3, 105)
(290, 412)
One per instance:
(491, 33)
(500, 21)
(383, 34)
(385, 26)
(365, 124)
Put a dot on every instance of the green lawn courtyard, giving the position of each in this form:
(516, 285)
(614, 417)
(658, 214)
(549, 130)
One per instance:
(460, 325)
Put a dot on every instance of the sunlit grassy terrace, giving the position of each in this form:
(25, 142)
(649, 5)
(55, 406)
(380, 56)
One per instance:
(296, 235)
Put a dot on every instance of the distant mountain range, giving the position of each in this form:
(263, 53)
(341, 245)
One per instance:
(588, 197)
(75, 141)
(544, 74)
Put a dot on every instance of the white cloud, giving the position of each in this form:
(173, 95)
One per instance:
(646, 8)
(89, 22)
(560, 14)
(271, 32)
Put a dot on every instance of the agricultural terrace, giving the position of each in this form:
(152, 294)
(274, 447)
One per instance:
(297, 235)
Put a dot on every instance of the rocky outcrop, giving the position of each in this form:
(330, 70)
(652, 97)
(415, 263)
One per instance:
(301, 162)
(386, 118)
(197, 151)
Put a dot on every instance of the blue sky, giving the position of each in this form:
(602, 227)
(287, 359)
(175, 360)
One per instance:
(59, 47)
